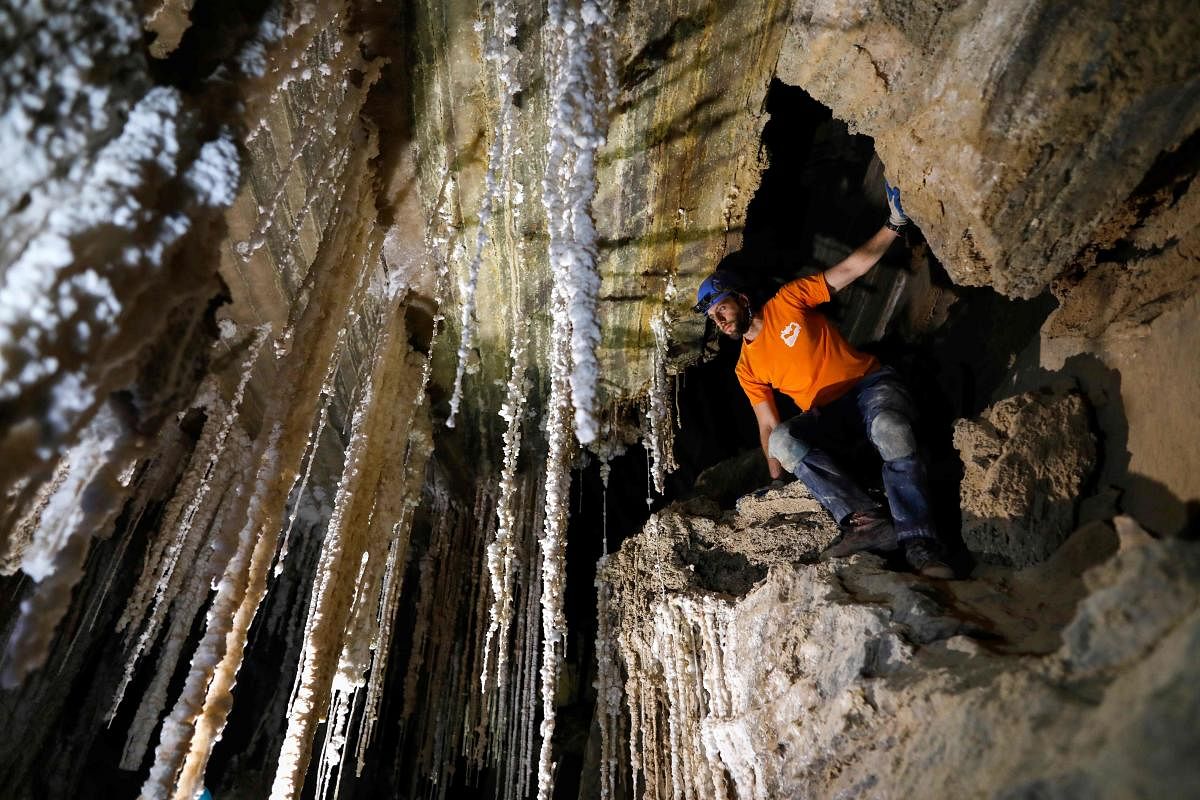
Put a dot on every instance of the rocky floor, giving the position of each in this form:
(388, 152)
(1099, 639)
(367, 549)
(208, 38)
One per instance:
(754, 670)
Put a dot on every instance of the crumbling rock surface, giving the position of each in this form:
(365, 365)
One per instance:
(1025, 461)
(1126, 329)
(1014, 128)
(678, 548)
(1143, 261)
(845, 679)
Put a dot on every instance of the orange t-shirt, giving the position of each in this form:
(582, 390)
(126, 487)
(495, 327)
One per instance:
(799, 351)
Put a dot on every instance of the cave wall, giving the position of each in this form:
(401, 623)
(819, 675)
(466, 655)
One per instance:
(1127, 310)
(250, 219)
(226, 184)
(678, 167)
(1041, 146)
(1017, 129)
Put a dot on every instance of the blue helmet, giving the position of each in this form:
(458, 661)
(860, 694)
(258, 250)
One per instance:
(714, 289)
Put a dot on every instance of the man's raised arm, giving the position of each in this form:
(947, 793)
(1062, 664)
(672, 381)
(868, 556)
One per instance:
(859, 263)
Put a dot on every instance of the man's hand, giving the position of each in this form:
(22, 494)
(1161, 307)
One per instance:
(896, 216)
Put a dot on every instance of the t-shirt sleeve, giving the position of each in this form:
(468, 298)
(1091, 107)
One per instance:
(755, 390)
(806, 292)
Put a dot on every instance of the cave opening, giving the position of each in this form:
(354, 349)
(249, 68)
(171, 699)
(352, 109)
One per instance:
(819, 198)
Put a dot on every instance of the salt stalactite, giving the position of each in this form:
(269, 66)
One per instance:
(328, 594)
(264, 520)
(393, 581)
(187, 517)
(552, 544)
(149, 583)
(202, 707)
(505, 721)
(442, 663)
(209, 564)
(342, 627)
(368, 638)
(402, 508)
(480, 705)
(285, 611)
(578, 41)
(154, 479)
(501, 552)
(575, 39)
(160, 582)
(302, 485)
(532, 683)
(607, 447)
(424, 611)
(672, 646)
(62, 322)
(352, 664)
(503, 57)
(84, 505)
(18, 539)
(327, 389)
(467, 657)
(608, 688)
(178, 728)
(659, 441)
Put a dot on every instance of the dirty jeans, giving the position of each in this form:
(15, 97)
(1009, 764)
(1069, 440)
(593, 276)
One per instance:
(885, 407)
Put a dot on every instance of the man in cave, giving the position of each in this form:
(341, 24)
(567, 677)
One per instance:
(788, 345)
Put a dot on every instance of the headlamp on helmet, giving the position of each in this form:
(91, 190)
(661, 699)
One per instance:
(714, 289)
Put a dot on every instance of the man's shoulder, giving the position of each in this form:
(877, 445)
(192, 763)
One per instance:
(784, 305)
(747, 375)
(806, 291)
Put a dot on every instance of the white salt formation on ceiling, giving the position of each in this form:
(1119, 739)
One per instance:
(313, 316)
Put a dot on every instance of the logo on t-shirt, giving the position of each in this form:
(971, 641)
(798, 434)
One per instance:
(789, 333)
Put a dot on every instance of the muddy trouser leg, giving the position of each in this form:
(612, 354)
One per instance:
(888, 413)
(791, 444)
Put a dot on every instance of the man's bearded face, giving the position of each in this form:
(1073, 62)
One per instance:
(731, 317)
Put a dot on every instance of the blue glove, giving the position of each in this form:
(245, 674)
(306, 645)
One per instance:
(896, 216)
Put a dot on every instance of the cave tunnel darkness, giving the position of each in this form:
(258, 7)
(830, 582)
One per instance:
(821, 189)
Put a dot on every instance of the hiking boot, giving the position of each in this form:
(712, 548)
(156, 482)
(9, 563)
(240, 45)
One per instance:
(862, 530)
(924, 555)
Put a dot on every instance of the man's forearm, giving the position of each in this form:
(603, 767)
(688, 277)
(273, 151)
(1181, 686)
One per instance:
(767, 417)
(773, 465)
(859, 263)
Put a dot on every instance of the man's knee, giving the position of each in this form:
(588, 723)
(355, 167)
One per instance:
(786, 448)
(892, 434)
